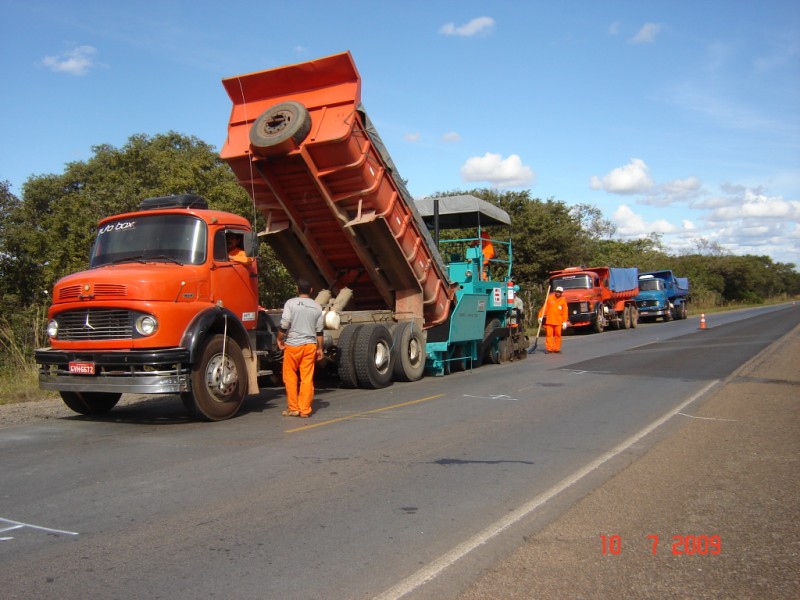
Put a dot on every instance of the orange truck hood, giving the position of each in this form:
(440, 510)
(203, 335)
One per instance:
(151, 282)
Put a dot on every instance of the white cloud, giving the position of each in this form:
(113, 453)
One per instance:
(481, 25)
(613, 29)
(647, 34)
(631, 225)
(77, 61)
(678, 190)
(451, 137)
(500, 172)
(758, 206)
(633, 178)
(413, 137)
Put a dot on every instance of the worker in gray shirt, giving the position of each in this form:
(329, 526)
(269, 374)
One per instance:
(300, 338)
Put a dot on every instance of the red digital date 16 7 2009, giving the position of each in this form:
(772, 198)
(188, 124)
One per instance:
(681, 544)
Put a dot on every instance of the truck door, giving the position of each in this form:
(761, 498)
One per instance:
(234, 276)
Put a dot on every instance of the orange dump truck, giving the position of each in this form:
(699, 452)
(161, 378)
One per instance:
(164, 309)
(599, 297)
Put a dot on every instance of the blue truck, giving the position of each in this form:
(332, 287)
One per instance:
(662, 294)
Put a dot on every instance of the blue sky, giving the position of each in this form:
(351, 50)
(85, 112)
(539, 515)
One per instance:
(680, 117)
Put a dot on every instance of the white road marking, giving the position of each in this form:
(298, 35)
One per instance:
(18, 525)
(708, 418)
(497, 397)
(411, 583)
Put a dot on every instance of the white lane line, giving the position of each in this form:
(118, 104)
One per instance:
(411, 583)
(707, 418)
(19, 525)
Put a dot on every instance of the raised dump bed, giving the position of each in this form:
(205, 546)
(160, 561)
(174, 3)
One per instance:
(337, 213)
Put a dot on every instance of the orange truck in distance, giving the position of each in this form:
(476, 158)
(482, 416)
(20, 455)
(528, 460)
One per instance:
(599, 297)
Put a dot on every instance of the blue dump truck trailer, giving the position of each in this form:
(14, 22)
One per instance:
(662, 294)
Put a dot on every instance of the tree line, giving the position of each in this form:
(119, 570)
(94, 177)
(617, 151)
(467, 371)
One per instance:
(47, 232)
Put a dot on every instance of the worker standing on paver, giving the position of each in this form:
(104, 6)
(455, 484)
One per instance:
(554, 314)
(300, 338)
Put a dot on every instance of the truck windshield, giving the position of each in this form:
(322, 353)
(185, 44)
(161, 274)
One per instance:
(650, 285)
(572, 282)
(151, 238)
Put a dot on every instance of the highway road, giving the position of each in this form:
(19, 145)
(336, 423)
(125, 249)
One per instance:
(380, 495)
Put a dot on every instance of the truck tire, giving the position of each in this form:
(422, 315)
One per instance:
(409, 348)
(90, 403)
(492, 354)
(667, 315)
(506, 351)
(219, 381)
(597, 325)
(345, 361)
(634, 317)
(373, 358)
(682, 311)
(281, 127)
(458, 359)
(625, 320)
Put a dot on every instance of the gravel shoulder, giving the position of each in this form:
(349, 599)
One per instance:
(730, 471)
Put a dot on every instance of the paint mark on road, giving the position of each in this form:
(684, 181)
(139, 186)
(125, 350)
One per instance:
(9, 525)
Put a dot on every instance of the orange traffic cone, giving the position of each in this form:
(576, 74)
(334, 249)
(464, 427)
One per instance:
(702, 320)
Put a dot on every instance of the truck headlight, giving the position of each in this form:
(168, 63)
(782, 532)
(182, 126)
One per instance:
(52, 328)
(146, 325)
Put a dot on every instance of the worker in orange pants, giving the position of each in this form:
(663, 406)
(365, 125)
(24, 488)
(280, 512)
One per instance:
(298, 377)
(554, 314)
(300, 338)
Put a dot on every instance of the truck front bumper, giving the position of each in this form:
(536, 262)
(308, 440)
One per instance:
(165, 371)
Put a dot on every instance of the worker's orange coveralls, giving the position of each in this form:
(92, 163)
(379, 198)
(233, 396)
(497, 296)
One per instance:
(488, 254)
(554, 312)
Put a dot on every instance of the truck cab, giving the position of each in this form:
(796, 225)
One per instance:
(160, 285)
(663, 295)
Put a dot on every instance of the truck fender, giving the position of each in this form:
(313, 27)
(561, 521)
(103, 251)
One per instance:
(210, 322)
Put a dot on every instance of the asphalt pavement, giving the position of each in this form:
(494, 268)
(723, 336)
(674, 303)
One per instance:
(712, 511)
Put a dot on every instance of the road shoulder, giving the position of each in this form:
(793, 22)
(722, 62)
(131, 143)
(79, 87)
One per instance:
(727, 477)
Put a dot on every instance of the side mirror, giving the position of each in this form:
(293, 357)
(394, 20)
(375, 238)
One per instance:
(251, 244)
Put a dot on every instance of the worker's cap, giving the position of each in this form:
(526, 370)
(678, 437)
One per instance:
(559, 289)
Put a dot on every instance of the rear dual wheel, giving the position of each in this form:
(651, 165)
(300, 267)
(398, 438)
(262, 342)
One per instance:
(409, 351)
(364, 356)
(373, 358)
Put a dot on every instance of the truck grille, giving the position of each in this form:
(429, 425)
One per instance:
(100, 290)
(95, 324)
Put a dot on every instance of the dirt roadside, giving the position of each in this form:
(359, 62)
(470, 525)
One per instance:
(732, 471)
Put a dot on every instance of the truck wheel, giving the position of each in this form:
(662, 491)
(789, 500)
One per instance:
(598, 326)
(372, 355)
(682, 311)
(626, 318)
(409, 345)
(90, 403)
(219, 381)
(458, 360)
(667, 315)
(279, 124)
(492, 354)
(505, 350)
(345, 361)
(634, 317)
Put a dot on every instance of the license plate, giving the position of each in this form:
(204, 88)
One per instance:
(81, 368)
